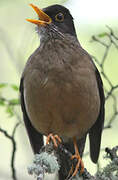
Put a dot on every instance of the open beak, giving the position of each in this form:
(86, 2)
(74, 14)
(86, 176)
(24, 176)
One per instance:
(44, 19)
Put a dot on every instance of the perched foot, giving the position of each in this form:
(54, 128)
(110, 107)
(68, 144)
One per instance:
(54, 138)
(79, 164)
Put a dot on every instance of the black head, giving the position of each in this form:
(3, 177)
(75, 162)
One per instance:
(62, 18)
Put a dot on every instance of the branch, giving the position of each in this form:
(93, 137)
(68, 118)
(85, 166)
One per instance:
(110, 39)
(11, 137)
(110, 172)
(49, 160)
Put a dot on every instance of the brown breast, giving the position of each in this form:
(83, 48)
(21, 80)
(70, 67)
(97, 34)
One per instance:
(65, 99)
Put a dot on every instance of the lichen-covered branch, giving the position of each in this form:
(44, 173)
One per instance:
(48, 161)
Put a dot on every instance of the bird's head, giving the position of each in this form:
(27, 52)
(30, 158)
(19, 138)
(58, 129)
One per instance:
(54, 21)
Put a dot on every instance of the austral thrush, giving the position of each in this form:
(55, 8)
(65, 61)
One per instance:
(61, 89)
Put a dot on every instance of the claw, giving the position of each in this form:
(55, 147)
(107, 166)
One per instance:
(79, 164)
(54, 138)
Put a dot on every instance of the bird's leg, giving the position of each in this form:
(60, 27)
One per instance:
(77, 156)
(54, 138)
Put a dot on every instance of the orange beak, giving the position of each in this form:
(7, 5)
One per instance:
(44, 19)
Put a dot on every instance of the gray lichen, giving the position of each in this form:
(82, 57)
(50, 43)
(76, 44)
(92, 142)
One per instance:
(43, 163)
(47, 161)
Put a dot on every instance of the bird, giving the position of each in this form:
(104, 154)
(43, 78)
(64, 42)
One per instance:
(61, 90)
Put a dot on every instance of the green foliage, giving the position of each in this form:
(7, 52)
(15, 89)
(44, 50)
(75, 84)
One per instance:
(9, 111)
(2, 85)
(9, 104)
(14, 87)
(101, 35)
(2, 102)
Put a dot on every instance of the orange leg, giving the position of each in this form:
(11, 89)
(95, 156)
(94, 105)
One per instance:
(54, 138)
(77, 156)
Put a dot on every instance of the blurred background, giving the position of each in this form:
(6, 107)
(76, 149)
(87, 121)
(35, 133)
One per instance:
(18, 39)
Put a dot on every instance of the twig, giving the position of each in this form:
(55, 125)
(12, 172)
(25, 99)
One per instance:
(107, 45)
(111, 91)
(11, 137)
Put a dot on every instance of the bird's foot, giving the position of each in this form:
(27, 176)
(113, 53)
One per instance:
(54, 138)
(79, 164)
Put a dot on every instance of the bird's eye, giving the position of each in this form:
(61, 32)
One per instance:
(59, 17)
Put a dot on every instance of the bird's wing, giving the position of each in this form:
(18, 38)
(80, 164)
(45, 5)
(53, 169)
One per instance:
(96, 130)
(36, 139)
